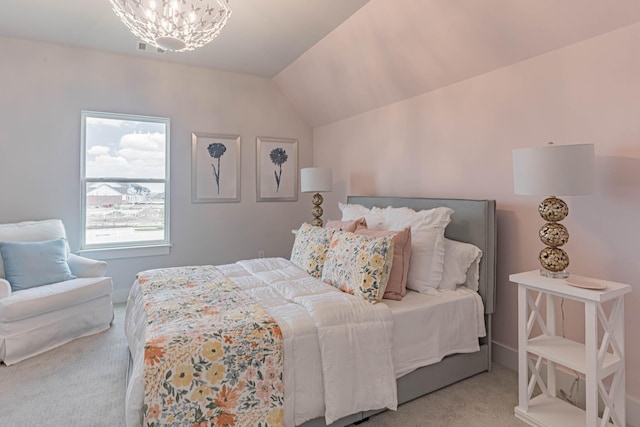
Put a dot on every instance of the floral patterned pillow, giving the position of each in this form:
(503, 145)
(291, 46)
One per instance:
(310, 248)
(359, 264)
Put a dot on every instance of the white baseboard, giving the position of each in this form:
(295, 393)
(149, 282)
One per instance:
(505, 356)
(508, 357)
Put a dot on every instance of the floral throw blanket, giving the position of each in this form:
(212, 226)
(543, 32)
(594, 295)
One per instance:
(212, 355)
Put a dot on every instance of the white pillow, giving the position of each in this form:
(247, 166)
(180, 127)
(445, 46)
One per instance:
(373, 216)
(427, 243)
(458, 258)
(351, 212)
(473, 275)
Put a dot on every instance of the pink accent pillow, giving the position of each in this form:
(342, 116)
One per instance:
(397, 284)
(350, 226)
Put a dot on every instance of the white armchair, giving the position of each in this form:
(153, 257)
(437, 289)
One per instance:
(40, 318)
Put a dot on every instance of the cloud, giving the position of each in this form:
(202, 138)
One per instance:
(98, 150)
(141, 155)
(151, 156)
(143, 141)
(106, 165)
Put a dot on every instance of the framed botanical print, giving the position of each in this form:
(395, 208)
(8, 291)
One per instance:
(215, 168)
(276, 169)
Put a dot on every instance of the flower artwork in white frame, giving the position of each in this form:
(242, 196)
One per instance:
(276, 169)
(215, 167)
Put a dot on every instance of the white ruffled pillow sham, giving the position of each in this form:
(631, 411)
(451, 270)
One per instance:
(427, 243)
(461, 265)
(473, 275)
(374, 216)
(427, 238)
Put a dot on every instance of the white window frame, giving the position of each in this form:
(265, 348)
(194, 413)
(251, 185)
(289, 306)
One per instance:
(123, 249)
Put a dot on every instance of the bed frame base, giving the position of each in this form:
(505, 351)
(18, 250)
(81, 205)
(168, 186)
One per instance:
(434, 377)
(451, 369)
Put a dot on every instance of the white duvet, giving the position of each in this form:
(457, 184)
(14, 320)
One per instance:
(337, 348)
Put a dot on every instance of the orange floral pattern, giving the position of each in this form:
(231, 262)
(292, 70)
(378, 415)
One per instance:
(213, 356)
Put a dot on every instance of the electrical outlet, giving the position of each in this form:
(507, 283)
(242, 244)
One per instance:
(260, 254)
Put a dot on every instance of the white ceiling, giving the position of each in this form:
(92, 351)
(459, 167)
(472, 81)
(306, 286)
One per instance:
(392, 50)
(261, 37)
(337, 58)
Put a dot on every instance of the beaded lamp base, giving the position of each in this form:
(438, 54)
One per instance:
(553, 260)
(316, 211)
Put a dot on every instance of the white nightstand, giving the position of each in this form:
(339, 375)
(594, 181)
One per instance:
(596, 359)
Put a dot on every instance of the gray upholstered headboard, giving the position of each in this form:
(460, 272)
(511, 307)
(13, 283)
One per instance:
(474, 221)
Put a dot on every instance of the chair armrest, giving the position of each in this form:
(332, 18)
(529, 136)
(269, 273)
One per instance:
(86, 267)
(5, 289)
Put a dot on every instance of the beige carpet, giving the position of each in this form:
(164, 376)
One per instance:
(83, 384)
(79, 384)
(485, 400)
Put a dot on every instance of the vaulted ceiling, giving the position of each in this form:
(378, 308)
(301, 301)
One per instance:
(261, 37)
(393, 50)
(337, 58)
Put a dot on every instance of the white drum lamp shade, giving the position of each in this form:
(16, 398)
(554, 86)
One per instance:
(316, 180)
(554, 170)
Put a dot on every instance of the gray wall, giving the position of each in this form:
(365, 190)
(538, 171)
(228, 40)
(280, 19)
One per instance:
(44, 87)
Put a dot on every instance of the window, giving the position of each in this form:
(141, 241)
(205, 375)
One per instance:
(125, 182)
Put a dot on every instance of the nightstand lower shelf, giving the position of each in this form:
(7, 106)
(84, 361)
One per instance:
(550, 411)
(600, 359)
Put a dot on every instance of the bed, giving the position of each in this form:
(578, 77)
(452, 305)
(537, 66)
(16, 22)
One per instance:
(472, 222)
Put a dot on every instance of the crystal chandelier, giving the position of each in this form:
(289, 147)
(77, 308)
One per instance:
(174, 25)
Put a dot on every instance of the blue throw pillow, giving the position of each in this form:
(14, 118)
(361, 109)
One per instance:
(31, 264)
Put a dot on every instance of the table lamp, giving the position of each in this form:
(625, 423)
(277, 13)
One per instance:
(554, 170)
(316, 180)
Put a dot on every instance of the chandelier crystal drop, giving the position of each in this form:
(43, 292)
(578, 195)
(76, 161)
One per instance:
(174, 25)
